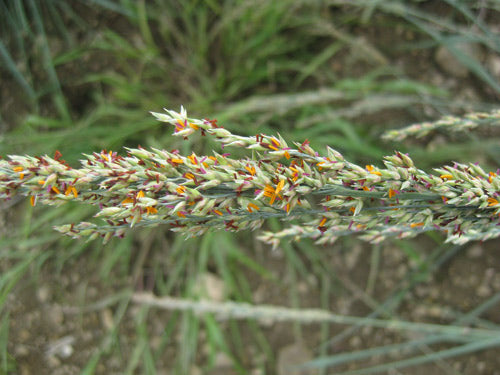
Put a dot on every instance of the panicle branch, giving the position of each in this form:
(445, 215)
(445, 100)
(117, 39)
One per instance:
(447, 124)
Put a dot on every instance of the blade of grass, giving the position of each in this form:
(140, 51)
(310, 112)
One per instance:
(385, 350)
(465, 59)
(109, 338)
(472, 347)
(141, 352)
(4, 339)
(188, 345)
(54, 15)
(113, 6)
(217, 343)
(325, 304)
(374, 269)
(220, 250)
(236, 253)
(414, 344)
(435, 260)
(416, 17)
(14, 71)
(167, 336)
(421, 343)
(10, 277)
(318, 60)
(142, 18)
(59, 101)
(464, 9)
(120, 254)
(22, 19)
(179, 261)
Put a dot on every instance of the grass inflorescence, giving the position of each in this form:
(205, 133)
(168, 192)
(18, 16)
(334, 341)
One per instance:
(192, 193)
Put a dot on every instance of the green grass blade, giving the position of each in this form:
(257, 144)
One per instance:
(430, 357)
(462, 7)
(4, 339)
(353, 357)
(435, 260)
(59, 100)
(10, 278)
(113, 6)
(109, 339)
(18, 76)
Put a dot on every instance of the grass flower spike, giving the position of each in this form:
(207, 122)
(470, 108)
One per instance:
(322, 196)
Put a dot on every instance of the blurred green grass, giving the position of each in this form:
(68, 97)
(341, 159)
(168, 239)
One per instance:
(83, 77)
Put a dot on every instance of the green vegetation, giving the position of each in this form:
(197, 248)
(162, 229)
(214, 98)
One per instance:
(80, 77)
